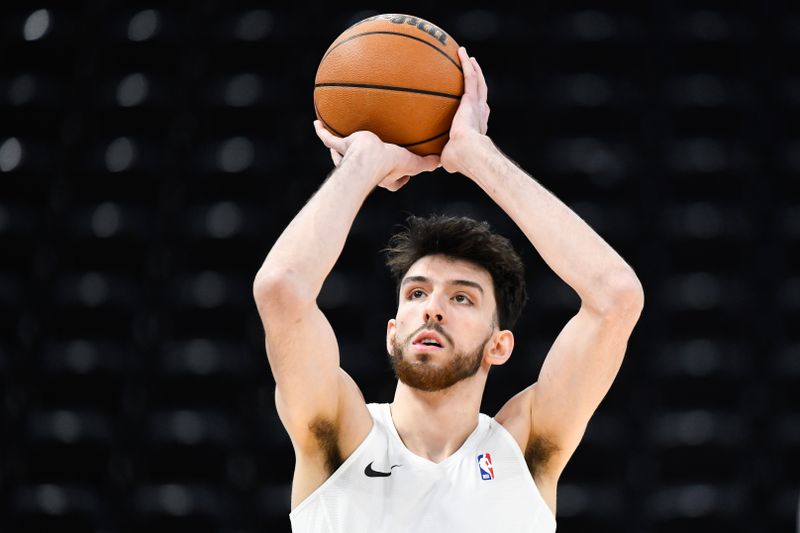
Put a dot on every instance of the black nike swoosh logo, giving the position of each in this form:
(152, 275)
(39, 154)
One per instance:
(374, 473)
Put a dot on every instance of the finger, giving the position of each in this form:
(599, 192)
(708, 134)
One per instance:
(391, 184)
(470, 82)
(431, 162)
(483, 89)
(399, 183)
(328, 139)
(424, 164)
(336, 156)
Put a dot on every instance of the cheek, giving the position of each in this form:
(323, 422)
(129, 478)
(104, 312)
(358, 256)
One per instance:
(404, 314)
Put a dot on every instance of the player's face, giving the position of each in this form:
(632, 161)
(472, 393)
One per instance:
(445, 319)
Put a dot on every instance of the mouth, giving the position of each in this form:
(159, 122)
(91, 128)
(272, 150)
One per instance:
(428, 341)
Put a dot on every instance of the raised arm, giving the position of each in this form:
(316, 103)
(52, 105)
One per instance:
(586, 356)
(313, 394)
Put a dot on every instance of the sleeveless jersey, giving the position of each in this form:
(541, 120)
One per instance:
(383, 487)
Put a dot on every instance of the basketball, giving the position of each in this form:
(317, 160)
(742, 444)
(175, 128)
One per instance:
(397, 76)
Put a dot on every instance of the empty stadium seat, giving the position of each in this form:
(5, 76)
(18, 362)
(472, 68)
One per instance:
(150, 156)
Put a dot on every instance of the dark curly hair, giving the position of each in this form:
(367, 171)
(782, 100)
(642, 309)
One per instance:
(469, 240)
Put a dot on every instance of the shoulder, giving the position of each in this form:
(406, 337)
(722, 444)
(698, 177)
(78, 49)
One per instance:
(516, 416)
(329, 442)
(330, 439)
(354, 420)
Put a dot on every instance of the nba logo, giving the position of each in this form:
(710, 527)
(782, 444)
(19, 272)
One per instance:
(485, 466)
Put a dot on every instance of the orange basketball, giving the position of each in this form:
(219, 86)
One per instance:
(397, 76)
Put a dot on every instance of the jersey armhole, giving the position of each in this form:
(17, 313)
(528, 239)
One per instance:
(339, 471)
(521, 460)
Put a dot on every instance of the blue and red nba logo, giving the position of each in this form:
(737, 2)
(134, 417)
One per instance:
(485, 466)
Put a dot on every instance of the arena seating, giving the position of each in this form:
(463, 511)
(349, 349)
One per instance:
(150, 154)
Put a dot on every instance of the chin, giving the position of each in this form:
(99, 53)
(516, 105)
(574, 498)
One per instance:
(423, 358)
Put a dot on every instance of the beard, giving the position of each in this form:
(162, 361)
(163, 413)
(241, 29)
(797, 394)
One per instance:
(425, 377)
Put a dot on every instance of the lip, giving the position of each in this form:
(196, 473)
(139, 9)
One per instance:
(426, 348)
(428, 334)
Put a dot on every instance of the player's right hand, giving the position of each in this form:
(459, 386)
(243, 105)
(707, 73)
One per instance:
(393, 164)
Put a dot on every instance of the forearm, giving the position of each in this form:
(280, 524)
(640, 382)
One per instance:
(308, 248)
(567, 244)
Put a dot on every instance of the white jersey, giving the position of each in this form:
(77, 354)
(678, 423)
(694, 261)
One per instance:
(383, 487)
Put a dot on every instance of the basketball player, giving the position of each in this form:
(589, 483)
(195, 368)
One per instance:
(430, 461)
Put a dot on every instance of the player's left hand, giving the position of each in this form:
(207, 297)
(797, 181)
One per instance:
(471, 118)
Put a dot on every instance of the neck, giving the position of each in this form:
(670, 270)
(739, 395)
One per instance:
(434, 425)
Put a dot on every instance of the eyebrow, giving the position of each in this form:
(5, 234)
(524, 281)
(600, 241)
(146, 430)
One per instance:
(462, 282)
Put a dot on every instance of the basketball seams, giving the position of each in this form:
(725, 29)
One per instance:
(388, 88)
(423, 41)
(330, 128)
(427, 140)
(433, 141)
(396, 89)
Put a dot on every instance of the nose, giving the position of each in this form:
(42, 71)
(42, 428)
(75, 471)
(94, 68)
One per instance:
(433, 310)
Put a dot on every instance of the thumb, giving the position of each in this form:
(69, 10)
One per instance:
(428, 163)
(336, 156)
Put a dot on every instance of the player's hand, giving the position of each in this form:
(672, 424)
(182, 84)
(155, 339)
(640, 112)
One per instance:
(394, 165)
(471, 118)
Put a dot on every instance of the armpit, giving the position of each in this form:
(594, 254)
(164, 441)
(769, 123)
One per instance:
(327, 436)
(538, 453)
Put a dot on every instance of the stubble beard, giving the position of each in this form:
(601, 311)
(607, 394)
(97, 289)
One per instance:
(423, 376)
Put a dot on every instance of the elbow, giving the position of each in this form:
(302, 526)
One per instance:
(627, 296)
(623, 297)
(273, 289)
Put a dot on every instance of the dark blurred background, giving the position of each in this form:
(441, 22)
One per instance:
(151, 154)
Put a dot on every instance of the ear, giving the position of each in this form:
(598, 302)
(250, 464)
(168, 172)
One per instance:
(500, 347)
(391, 331)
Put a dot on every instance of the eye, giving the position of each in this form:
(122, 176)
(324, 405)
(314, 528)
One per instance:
(416, 293)
(462, 299)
